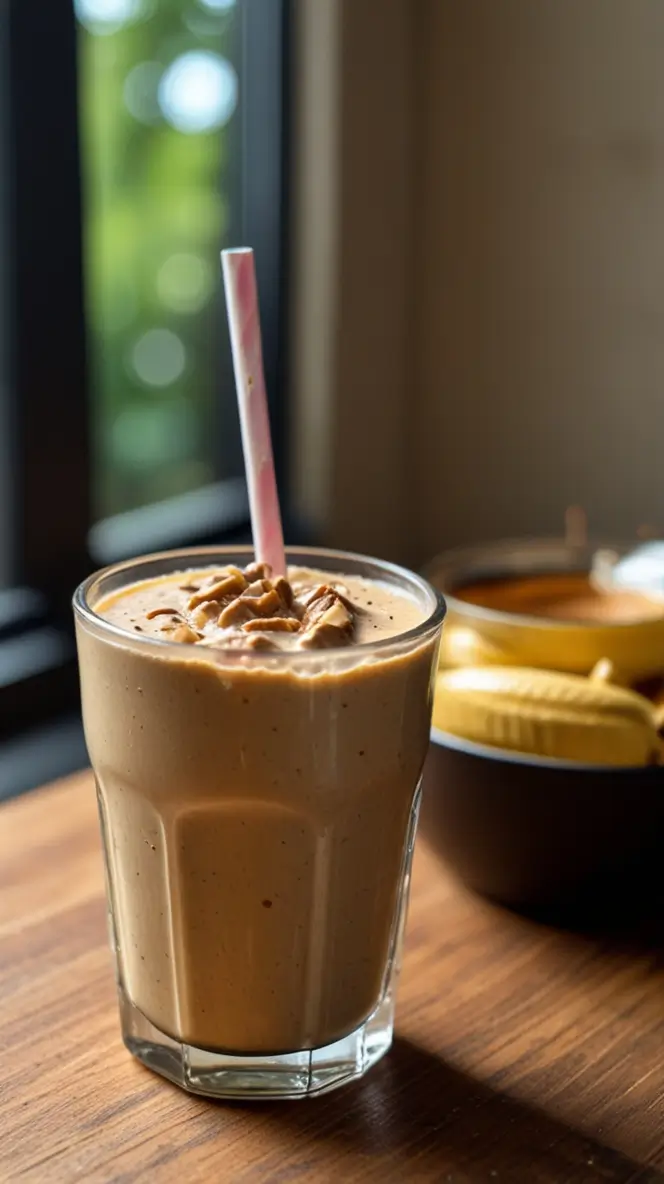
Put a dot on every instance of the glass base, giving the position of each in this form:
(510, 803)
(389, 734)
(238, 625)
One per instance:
(287, 1075)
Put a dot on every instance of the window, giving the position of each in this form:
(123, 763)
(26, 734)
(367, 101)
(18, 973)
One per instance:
(5, 459)
(139, 136)
(159, 90)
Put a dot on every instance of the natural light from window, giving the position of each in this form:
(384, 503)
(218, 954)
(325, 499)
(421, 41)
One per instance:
(159, 89)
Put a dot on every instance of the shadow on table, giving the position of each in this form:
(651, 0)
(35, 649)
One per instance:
(627, 919)
(415, 1118)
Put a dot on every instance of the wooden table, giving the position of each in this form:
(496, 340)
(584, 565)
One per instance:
(523, 1053)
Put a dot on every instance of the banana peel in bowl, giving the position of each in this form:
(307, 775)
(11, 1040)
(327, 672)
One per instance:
(590, 721)
(461, 646)
(570, 647)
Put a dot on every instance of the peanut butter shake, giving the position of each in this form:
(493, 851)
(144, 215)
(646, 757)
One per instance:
(258, 744)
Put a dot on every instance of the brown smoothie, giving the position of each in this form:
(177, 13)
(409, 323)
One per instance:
(256, 780)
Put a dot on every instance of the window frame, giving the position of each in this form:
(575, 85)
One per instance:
(53, 541)
(5, 457)
(47, 345)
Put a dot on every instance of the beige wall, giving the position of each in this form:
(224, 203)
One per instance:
(498, 291)
(354, 170)
(541, 334)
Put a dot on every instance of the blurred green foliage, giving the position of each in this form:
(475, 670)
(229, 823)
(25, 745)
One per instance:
(157, 203)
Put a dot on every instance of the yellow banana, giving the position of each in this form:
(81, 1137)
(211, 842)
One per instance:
(605, 671)
(461, 646)
(547, 714)
(573, 647)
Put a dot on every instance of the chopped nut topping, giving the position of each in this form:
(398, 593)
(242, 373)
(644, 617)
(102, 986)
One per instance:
(257, 588)
(235, 613)
(267, 605)
(206, 612)
(326, 590)
(223, 575)
(258, 571)
(231, 585)
(318, 605)
(185, 634)
(258, 641)
(308, 598)
(260, 599)
(284, 591)
(248, 609)
(271, 625)
(328, 620)
(336, 616)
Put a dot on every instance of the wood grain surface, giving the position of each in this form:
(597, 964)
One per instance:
(523, 1053)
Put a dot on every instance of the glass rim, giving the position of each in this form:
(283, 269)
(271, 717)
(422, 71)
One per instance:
(85, 613)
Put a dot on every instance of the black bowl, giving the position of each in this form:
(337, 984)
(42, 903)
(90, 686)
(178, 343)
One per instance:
(536, 833)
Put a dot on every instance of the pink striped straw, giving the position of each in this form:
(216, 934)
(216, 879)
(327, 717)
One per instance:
(244, 324)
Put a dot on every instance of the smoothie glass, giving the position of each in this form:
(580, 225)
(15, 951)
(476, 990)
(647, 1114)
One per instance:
(258, 812)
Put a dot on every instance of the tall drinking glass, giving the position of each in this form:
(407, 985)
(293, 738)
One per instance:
(258, 812)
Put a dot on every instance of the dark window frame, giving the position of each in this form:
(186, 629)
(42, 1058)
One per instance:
(53, 541)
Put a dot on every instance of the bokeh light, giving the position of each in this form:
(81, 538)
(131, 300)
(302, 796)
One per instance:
(140, 92)
(185, 283)
(154, 434)
(198, 91)
(218, 5)
(107, 16)
(159, 357)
